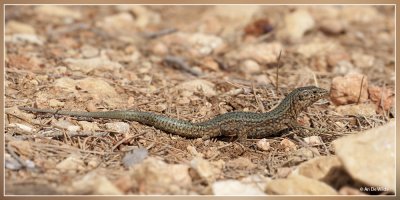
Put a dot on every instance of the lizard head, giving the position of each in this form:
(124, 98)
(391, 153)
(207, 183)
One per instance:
(305, 96)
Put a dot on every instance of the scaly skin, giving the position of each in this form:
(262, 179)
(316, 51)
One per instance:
(241, 124)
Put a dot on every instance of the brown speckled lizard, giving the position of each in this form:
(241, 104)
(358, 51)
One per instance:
(240, 124)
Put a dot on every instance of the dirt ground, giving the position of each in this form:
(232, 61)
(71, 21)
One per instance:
(186, 62)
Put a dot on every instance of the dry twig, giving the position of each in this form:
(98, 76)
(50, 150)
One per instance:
(277, 71)
(361, 86)
(180, 63)
(163, 32)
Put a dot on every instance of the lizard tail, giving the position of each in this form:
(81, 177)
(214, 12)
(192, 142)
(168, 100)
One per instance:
(167, 124)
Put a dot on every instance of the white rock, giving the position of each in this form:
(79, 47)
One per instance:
(194, 152)
(370, 156)
(262, 79)
(263, 144)
(198, 44)
(18, 27)
(119, 127)
(321, 12)
(218, 166)
(54, 103)
(63, 124)
(160, 49)
(241, 163)
(345, 67)
(97, 86)
(73, 162)
(361, 14)
(23, 37)
(88, 126)
(73, 128)
(241, 13)
(93, 162)
(34, 82)
(283, 172)
(205, 44)
(296, 24)
(363, 60)
(11, 163)
(135, 157)
(89, 51)
(23, 127)
(250, 67)
(234, 187)
(144, 16)
(256, 180)
(198, 85)
(90, 64)
(313, 140)
(237, 16)
(57, 11)
(262, 53)
(203, 168)
(120, 23)
(95, 184)
(332, 26)
(288, 145)
(317, 47)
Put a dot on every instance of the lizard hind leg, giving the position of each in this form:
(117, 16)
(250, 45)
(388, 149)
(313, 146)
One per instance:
(241, 139)
(211, 134)
(242, 136)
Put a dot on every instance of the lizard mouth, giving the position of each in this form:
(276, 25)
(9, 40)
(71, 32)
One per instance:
(323, 93)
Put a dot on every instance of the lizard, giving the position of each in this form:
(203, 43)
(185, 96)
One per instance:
(237, 123)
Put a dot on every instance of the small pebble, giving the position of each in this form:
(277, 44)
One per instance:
(263, 144)
(135, 157)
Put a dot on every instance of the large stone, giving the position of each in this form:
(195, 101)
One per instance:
(95, 184)
(370, 156)
(154, 176)
(299, 185)
(328, 169)
(319, 167)
(234, 187)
